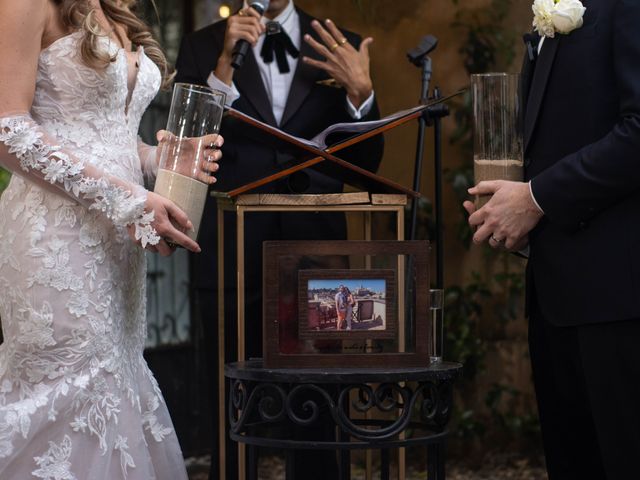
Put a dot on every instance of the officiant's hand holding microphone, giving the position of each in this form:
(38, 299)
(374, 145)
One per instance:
(244, 25)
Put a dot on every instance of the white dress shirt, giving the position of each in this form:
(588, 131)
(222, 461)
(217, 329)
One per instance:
(278, 84)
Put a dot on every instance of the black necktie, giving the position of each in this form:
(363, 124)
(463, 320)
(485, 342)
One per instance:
(279, 42)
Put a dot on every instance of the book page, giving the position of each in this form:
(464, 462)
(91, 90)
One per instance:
(358, 128)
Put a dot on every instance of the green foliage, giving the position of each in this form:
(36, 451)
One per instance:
(501, 400)
(467, 425)
(463, 308)
(488, 43)
(4, 179)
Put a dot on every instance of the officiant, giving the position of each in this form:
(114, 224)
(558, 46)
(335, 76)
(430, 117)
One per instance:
(290, 80)
(301, 75)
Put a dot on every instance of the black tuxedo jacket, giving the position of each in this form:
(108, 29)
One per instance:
(310, 108)
(582, 154)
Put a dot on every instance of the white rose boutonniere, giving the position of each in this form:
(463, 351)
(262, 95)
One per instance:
(557, 16)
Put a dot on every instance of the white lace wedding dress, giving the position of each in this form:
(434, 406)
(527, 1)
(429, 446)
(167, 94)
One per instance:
(77, 400)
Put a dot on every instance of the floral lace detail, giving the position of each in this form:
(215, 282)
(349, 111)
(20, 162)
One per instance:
(24, 139)
(126, 460)
(54, 464)
(150, 421)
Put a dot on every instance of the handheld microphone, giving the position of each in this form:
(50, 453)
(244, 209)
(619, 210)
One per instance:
(241, 48)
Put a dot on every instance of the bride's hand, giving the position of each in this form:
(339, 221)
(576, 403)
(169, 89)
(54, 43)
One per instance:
(170, 222)
(210, 154)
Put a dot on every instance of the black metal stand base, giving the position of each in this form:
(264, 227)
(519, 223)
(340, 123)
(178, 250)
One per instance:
(271, 408)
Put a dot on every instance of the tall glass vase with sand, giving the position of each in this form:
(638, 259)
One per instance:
(195, 115)
(497, 129)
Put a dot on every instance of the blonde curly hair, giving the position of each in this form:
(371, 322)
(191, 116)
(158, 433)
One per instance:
(80, 15)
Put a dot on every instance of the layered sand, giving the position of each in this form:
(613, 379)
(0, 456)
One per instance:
(512, 170)
(187, 193)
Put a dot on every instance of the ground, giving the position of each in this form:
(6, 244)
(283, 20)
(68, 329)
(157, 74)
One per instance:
(494, 467)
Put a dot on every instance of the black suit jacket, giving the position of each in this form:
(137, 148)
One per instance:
(310, 108)
(582, 153)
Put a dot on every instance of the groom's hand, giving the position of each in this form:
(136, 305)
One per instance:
(508, 216)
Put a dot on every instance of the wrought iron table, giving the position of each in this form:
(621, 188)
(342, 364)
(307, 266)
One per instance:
(267, 405)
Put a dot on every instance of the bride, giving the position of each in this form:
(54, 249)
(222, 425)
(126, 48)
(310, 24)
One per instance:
(77, 400)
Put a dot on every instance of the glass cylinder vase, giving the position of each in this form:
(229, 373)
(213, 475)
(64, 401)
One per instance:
(497, 129)
(194, 120)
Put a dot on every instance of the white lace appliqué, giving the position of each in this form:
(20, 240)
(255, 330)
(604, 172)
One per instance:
(25, 141)
(55, 464)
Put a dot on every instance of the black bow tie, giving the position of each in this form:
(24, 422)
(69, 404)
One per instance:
(279, 42)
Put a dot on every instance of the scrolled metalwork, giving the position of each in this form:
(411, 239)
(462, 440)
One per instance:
(309, 405)
(267, 400)
(386, 397)
(435, 407)
(302, 405)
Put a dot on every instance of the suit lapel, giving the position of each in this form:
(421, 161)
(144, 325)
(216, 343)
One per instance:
(306, 76)
(528, 67)
(538, 86)
(249, 83)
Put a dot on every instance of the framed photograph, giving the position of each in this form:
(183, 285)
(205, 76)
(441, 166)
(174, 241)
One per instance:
(347, 304)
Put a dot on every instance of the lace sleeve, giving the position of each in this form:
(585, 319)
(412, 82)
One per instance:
(31, 153)
(148, 162)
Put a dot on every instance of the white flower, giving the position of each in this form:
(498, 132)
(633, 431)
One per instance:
(557, 16)
(22, 139)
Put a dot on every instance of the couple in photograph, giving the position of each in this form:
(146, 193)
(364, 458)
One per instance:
(344, 308)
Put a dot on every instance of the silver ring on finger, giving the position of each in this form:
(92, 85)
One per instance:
(495, 239)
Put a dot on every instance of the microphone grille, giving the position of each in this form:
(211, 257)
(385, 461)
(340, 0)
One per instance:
(259, 5)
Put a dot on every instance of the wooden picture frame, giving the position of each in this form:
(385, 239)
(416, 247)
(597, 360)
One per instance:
(367, 310)
(282, 305)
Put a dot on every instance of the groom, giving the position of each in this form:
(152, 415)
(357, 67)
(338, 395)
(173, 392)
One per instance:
(579, 213)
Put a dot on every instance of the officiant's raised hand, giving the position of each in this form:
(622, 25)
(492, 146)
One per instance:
(348, 66)
(507, 218)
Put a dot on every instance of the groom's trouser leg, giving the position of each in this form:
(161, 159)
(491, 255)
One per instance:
(587, 385)
(611, 360)
(568, 432)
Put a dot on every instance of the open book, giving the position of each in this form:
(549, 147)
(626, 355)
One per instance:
(318, 145)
